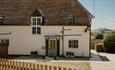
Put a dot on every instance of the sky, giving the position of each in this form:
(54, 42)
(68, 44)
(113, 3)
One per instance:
(104, 13)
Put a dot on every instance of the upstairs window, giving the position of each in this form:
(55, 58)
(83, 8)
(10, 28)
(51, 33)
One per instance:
(73, 43)
(71, 19)
(36, 22)
(36, 30)
(1, 19)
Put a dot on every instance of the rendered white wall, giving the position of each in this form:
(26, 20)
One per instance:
(83, 40)
(22, 41)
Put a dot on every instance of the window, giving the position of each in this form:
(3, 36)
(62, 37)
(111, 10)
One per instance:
(36, 22)
(73, 43)
(71, 19)
(1, 19)
(38, 30)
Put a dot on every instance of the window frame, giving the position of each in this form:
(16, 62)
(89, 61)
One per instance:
(36, 20)
(73, 43)
(71, 19)
(36, 25)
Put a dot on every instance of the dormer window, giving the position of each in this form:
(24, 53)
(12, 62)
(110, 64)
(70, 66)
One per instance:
(1, 19)
(36, 22)
(71, 19)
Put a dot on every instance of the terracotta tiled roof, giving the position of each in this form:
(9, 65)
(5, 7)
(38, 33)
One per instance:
(55, 12)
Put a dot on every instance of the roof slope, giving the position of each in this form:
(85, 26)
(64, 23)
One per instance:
(55, 12)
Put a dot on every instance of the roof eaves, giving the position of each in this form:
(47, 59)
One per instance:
(85, 9)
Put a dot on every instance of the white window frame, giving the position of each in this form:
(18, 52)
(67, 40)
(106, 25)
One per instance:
(36, 25)
(36, 20)
(73, 44)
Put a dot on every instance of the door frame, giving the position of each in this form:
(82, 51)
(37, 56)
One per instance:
(47, 45)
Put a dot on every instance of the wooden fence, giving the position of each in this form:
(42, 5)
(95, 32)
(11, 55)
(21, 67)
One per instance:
(6, 64)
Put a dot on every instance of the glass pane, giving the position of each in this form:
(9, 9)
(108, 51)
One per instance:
(38, 21)
(76, 44)
(33, 30)
(53, 44)
(50, 44)
(34, 21)
(38, 30)
(71, 44)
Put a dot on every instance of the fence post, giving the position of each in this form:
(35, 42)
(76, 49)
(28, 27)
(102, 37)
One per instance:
(46, 67)
(16, 65)
(59, 68)
(30, 65)
(2, 63)
(10, 65)
(50, 67)
(38, 67)
(23, 63)
(13, 65)
(75, 69)
(69, 69)
(54, 68)
(20, 65)
(6, 64)
(41, 67)
(64, 68)
(35, 68)
(26, 66)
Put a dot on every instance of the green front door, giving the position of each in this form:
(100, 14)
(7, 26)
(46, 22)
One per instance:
(52, 47)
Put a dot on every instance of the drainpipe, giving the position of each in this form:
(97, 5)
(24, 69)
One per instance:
(62, 40)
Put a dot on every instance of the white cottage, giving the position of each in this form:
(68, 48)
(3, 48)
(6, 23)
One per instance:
(49, 27)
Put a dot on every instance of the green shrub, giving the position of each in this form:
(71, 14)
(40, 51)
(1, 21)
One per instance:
(109, 42)
(99, 36)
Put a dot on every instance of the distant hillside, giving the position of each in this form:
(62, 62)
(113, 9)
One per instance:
(101, 30)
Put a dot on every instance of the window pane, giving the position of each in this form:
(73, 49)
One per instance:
(69, 44)
(73, 43)
(34, 21)
(38, 21)
(33, 30)
(76, 44)
(38, 30)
